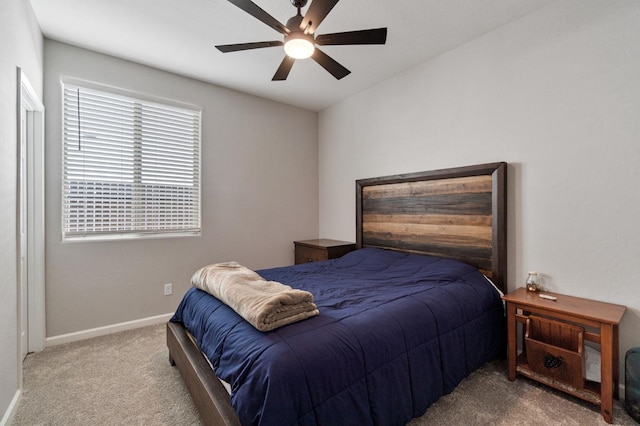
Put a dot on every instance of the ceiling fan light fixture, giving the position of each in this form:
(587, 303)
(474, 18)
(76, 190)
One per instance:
(299, 45)
(300, 39)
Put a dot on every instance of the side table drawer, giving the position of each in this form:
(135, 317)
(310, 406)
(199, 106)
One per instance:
(321, 249)
(308, 254)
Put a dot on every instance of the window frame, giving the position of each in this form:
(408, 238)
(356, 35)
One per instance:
(118, 235)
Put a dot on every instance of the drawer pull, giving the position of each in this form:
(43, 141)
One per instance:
(551, 361)
(309, 259)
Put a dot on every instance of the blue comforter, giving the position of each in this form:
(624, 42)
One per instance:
(395, 332)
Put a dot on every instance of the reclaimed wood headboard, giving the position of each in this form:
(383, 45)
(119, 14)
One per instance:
(457, 213)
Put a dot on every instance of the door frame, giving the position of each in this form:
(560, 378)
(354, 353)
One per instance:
(28, 99)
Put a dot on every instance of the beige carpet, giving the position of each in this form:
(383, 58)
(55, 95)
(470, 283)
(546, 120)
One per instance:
(120, 379)
(126, 379)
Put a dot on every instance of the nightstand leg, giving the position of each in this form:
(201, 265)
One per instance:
(606, 371)
(512, 347)
(615, 357)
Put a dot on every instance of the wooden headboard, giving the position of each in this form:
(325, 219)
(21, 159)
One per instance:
(458, 213)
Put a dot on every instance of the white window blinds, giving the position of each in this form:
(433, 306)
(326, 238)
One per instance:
(131, 167)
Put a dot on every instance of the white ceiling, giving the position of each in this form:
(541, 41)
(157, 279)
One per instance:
(179, 36)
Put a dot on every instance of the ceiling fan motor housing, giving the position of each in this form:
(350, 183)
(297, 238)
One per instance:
(294, 23)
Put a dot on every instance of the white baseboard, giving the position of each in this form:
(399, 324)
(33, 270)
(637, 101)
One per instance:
(109, 329)
(11, 410)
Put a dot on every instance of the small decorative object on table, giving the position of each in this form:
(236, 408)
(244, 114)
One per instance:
(632, 383)
(532, 281)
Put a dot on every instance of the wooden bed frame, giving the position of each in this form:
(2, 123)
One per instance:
(458, 213)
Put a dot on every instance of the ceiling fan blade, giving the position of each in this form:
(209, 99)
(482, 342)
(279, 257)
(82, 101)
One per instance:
(318, 10)
(373, 36)
(329, 64)
(254, 10)
(283, 69)
(226, 48)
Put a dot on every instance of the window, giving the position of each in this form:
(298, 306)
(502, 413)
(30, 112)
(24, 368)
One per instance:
(131, 167)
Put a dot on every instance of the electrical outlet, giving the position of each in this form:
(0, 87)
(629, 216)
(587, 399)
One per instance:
(168, 289)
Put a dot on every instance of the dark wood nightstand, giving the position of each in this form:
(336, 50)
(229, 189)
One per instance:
(600, 323)
(322, 249)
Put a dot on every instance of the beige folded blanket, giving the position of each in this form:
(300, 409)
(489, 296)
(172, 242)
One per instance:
(264, 304)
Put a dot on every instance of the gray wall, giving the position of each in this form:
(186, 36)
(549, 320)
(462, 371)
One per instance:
(20, 46)
(557, 95)
(259, 192)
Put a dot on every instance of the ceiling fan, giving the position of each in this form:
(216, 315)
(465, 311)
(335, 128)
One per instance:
(299, 39)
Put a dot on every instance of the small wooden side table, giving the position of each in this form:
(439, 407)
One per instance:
(322, 249)
(603, 318)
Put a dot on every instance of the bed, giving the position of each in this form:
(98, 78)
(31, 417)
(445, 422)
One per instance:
(403, 319)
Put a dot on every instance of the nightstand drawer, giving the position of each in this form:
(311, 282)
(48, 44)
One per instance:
(308, 254)
(322, 249)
